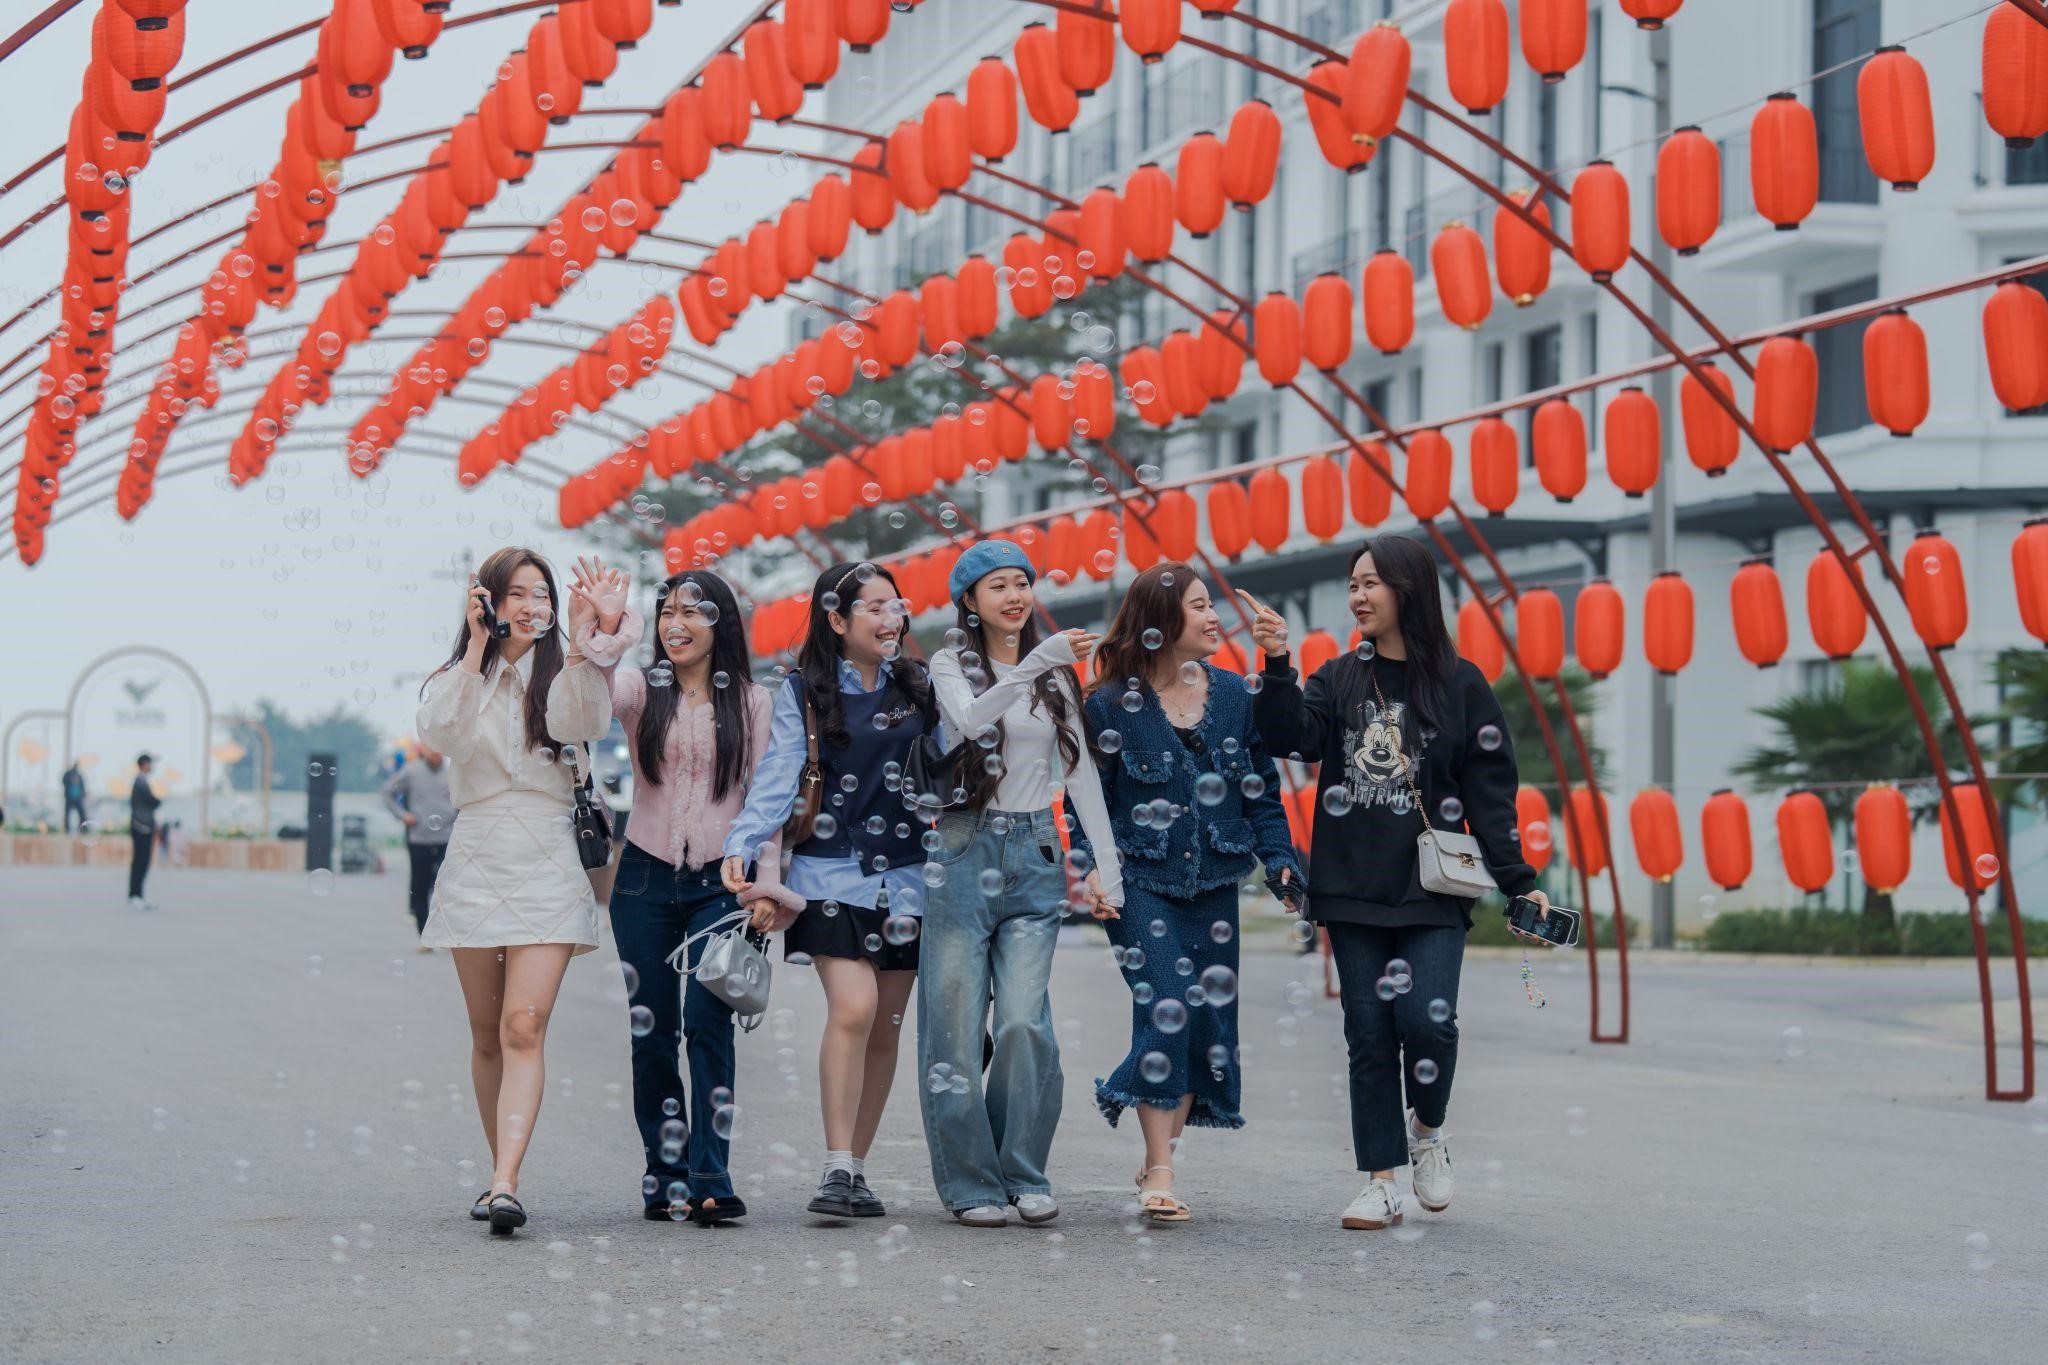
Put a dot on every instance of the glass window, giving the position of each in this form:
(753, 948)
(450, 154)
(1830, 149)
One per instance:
(1843, 30)
(1494, 367)
(1542, 366)
(1840, 349)
(2027, 165)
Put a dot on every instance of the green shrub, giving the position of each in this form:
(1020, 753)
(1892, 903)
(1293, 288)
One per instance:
(1833, 933)
(1490, 927)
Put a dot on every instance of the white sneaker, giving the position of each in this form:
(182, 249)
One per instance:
(137, 903)
(982, 1216)
(1430, 1159)
(1378, 1206)
(1036, 1208)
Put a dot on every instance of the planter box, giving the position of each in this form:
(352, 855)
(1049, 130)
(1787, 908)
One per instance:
(113, 850)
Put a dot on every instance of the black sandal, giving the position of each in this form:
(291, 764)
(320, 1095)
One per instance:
(716, 1209)
(507, 1213)
(481, 1209)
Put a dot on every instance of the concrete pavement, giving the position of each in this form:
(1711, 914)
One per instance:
(240, 1129)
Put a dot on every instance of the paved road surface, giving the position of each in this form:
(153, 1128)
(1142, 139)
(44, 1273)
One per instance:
(237, 1130)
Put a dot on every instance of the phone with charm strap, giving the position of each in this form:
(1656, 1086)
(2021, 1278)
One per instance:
(499, 629)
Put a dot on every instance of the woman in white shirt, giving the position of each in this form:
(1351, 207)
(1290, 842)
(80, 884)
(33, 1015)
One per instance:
(997, 888)
(513, 902)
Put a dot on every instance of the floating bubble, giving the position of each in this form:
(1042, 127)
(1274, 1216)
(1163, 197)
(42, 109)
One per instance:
(1219, 983)
(1489, 737)
(1337, 799)
(900, 929)
(1155, 1067)
(1151, 639)
(1439, 1010)
(1253, 786)
(1425, 1071)
(1169, 1015)
(320, 881)
(1452, 810)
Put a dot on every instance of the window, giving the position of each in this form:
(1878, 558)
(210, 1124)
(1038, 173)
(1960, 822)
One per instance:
(2040, 283)
(1414, 413)
(1590, 364)
(1843, 30)
(1382, 191)
(1244, 443)
(1842, 404)
(1494, 364)
(2027, 165)
(1542, 366)
(1546, 126)
(1378, 395)
(1817, 677)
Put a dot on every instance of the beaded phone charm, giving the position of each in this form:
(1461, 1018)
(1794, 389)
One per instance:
(1529, 986)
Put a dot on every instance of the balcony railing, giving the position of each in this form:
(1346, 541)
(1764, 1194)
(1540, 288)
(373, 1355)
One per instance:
(1183, 99)
(1421, 222)
(1091, 152)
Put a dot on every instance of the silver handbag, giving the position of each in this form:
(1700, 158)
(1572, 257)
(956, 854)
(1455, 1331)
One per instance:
(731, 968)
(1447, 862)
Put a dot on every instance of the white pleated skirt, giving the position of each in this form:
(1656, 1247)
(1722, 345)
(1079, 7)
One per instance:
(512, 877)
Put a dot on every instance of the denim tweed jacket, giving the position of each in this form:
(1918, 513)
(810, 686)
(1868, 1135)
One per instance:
(1204, 846)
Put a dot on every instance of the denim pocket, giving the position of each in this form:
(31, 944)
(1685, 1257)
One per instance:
(1230, 836)
(957, 833)
(635, 869)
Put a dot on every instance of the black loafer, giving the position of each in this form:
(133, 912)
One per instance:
(865, 1204)
(835, 1196)
(678, 1211)
(719, 1208)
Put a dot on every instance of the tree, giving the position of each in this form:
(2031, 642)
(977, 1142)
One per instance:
(1859, 729)
(349, 736)
(1527, 738)
(2022, 720)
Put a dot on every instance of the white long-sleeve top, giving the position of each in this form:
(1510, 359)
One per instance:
(479, 724)
(1034, 771)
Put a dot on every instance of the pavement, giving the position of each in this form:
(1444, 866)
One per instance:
(240, 1128)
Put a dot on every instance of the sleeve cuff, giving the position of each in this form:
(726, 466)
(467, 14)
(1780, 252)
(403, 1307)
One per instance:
(606, 650)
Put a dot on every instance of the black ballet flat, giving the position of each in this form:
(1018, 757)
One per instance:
(481, 1209)
(507, 1213)
(668, 1213)
(717, 1209)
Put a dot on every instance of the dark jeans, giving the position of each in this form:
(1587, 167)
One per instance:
(426, 865)
(138, 862)
(1382, 1034)
(79, 806)
(654, 907)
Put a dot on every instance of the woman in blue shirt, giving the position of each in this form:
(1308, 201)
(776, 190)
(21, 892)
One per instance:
(1192, 797)
(859, 704)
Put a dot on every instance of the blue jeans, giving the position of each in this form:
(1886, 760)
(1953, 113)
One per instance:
(654, 907)
(990, 935)
(1382, 1034)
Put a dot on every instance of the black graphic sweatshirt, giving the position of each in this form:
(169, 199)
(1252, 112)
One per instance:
(1362, 868)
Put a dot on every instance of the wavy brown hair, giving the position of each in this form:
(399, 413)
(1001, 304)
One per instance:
(1152, 602)
(495, 575)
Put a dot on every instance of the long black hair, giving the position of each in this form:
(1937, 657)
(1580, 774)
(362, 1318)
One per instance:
(495, 574)
(817, 661)
(1056, 694)
(732, 718)
(1406, 566)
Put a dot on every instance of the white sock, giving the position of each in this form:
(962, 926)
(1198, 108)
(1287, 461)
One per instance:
(839, 1161)
(1415, 1130)
(859, 1165)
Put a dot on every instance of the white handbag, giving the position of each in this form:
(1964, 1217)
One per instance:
(1448, 862)
(731, 968)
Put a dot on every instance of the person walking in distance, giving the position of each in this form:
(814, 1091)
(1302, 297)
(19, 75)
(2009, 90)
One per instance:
(1410, 738)
(998, 889)
(142, 804)
(74, 797)
(418, 795)
(515, 714)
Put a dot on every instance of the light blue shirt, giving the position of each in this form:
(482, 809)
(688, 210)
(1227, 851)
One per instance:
(772, 797)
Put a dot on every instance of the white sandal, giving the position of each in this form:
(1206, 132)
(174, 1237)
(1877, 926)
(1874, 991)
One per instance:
(1161, 1206)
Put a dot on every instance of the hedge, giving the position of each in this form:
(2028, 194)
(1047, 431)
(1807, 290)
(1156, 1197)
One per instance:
(1833, 933)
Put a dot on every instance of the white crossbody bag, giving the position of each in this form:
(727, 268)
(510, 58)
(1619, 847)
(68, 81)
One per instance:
(1448, 862)
(731, 968)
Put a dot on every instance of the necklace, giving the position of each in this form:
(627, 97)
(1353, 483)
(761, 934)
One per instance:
(1177, 707)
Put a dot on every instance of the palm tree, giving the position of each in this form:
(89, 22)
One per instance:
(1527, 738)
(1860, 728)
(2022, 678)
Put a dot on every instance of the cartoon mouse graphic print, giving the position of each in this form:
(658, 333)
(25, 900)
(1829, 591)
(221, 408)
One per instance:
(1376, 763)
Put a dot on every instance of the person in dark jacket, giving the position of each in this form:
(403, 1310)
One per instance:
(74, 797)
(142, 804)
(1192, 798)
(1407, 734)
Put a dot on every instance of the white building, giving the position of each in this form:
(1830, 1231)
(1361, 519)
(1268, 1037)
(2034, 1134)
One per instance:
(1972, 471)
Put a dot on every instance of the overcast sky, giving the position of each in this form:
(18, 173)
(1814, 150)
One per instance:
(308, 586)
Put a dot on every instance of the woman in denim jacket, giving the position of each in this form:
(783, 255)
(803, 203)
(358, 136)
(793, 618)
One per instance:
(1192, 798)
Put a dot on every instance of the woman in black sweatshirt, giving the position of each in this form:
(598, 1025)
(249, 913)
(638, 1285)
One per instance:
(1400, 718)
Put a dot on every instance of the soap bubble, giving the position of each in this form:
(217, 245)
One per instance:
(1219, 984)
(1155, 1067)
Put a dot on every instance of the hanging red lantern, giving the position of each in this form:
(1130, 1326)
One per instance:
(1144, 379)
(1051, 102)
(1667, 623)
(1198, 184)
(1180, 355)
(938, 307)
(1086, 39)
(1897, 114)
(830, 218)
(1834, 611)
(1220, 353)
(1369, 473)
(1633, 441)
(728, 106)
(1559, 437)
(904, 159)
(1650, 14)
(1973, 859)
(1427, 487)
(811, 37)
(1553, 36)
(2016, 345)
(1148, 213)
(1599, 628)
(1806, 842)
(1784, 161)
(1340, 145)
(1653, 828)
(1688, 190)
(591, 57)
(141, 57)
(1724, 836)
(1476, 53)
(948, 152)
(1276, 339)
(1756, 606)
(1787, 393)
(2015, 71)
(874, 199)
(1094, 402)
(2030, 577)
(1251, 154)
(1935, 593)
(625, 22)
(1521, 253)
(1230, 518)
(1532, 827)
(777, 94)
(1600, 220)
(1102, 233)
(1322, 499)
(1151, 27)
(1884, 837)
(1387, 288)
(976, 292)
(1895, 382)
(353, 52)
(1052, 422)
(1478, 640)
(862, 23)
(1326, 322)
(1173, 521)
(1496, 461)
(1376, 82)
(1458, 259)
(1269, 512)
(1539, 634)
(1712, 438)
(992, 109)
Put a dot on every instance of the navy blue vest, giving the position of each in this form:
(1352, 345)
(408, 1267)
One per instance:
(871, 821)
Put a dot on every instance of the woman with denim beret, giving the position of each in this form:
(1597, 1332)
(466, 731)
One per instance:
(1193, 798)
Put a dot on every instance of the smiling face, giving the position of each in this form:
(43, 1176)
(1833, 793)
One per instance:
(1004, 602)
(1201, 628)
(1374, 604)
(527, 604)
(685, 629)
(871, 625)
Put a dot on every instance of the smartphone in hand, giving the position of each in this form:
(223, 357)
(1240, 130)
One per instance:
(1559, 928)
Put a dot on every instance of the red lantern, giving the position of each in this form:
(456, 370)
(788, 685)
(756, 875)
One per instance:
(1086, 40)
(1369, 473)
(1935, 594)
(830, 217)
(1230, 518)
(777, 93)
(1322, 499)
(1806, 842)
(1052, 423)
(1834, 612)
(1712, 438)
(1276, 339)
(1458, 259)
(1335, 138)
(1977, 845)
(874, 201)
(1521, 253)
(1148, 213)
(1251, 154)
(1151, 27)
(1756, 604)
(1586, 812)
(992, 109)
(1050, 101)
(1532, 826)
(1599, 627)
(1427, 487)
(1220, 353)
(1724, 835)
(1144, 377)
(1318, 647)
(1633, 441)
(1496, 465)
(1600, 220)
(1784, 161)
(1102, 233)
(728, 101)
(1559, 437)
(1269, 515)
(1884, 837)
(1173, 521)
(1667, 623)
(141, 57)
(1198, 184)
(1539, 633)
(1787, 393)
(1650, 14)
(938, 305)
(1326, 322)
(353, 53)
(2016, 345)
(1180, 355)
(811, 36)
(1094, 403)
(1895, 384)
(2015, 70)
(1476, 53)
(1897, 114)
(862, 23)
(1653, 826)
(948, 155)
(976, 280)
(2030, 577)
(1388, 290)
(1688, 190)
(1478, 640)
(1376, 82)
(905, 162)
(1553, 36)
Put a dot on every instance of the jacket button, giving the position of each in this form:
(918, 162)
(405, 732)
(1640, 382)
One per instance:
(1186, 856)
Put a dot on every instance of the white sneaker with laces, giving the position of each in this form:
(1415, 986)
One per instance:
(983, 1216)
(1430, 1158)
(1036, 1208)
(1378, 1206)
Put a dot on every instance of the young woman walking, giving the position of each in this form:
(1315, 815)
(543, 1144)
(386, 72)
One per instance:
(1408, 734)
(696, 723)
(1193, 797)
(998, 888)
(514, 715)
(841, 733)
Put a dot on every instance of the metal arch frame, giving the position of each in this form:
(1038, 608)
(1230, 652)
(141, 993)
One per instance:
(205, 712)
